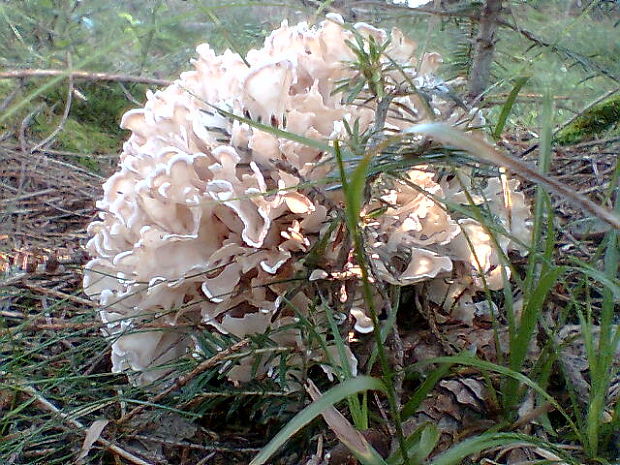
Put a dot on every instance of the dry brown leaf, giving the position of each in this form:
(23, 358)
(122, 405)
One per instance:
(343, 429)
(92, 435)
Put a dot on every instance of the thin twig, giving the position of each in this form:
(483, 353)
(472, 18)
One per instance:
(212, 395)
(23, 142)
(66, 153)
(47, 405)
(183, 380)
(189, 445)
(9, 98)
(72, 168)
(398, 361)
(375, 144)
(10, 314)
(504, 95)
(86, 75)
(11, 280)
(130, 97)
(609, 140)
(381, 114)
(55, 325)
(63, 118)
(206, 459)
(27, 195)
(24, 126)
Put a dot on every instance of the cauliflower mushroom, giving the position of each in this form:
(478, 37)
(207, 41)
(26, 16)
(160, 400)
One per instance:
(208, 216)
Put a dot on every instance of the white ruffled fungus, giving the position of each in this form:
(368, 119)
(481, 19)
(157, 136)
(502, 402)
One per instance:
(363, 323)
(208, 217)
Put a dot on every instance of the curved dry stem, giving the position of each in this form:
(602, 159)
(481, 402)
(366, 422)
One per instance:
(489, 154)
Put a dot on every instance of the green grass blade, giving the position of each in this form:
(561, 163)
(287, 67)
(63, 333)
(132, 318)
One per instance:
(353, 188)
(419, 445)
(610, 282)
(535, 266)
(354, 195)
(358, 411)
(507, 107)
(601, 359)
(425, 388)
(329, 399)
(273, 131)
(470, 446)
(520, 342)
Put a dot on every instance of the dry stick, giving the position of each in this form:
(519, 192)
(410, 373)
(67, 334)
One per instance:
(183, 380)
(11, 314)
(23, 145)
(86, 75)
(59, 294)
(66, 153)
(19, 195)
(27, 195)
(128, 95)
(504, 95)
(532, 415)
(58, 326)
(212, 395)
(561, 189)
(47, 405)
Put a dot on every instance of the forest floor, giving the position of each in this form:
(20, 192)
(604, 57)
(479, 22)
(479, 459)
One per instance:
(62, 362)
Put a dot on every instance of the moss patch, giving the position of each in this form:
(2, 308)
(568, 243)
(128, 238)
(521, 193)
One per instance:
(99, 104)
(93, 123)
(105, 104)
(593, 122)
(78, 137)
(81, 138)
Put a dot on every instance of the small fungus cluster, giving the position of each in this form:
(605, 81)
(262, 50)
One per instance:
(211, 216)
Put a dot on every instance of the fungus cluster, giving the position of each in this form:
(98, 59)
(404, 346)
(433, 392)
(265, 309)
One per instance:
(210, 216)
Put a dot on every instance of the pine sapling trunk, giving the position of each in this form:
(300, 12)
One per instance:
(485, 47)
